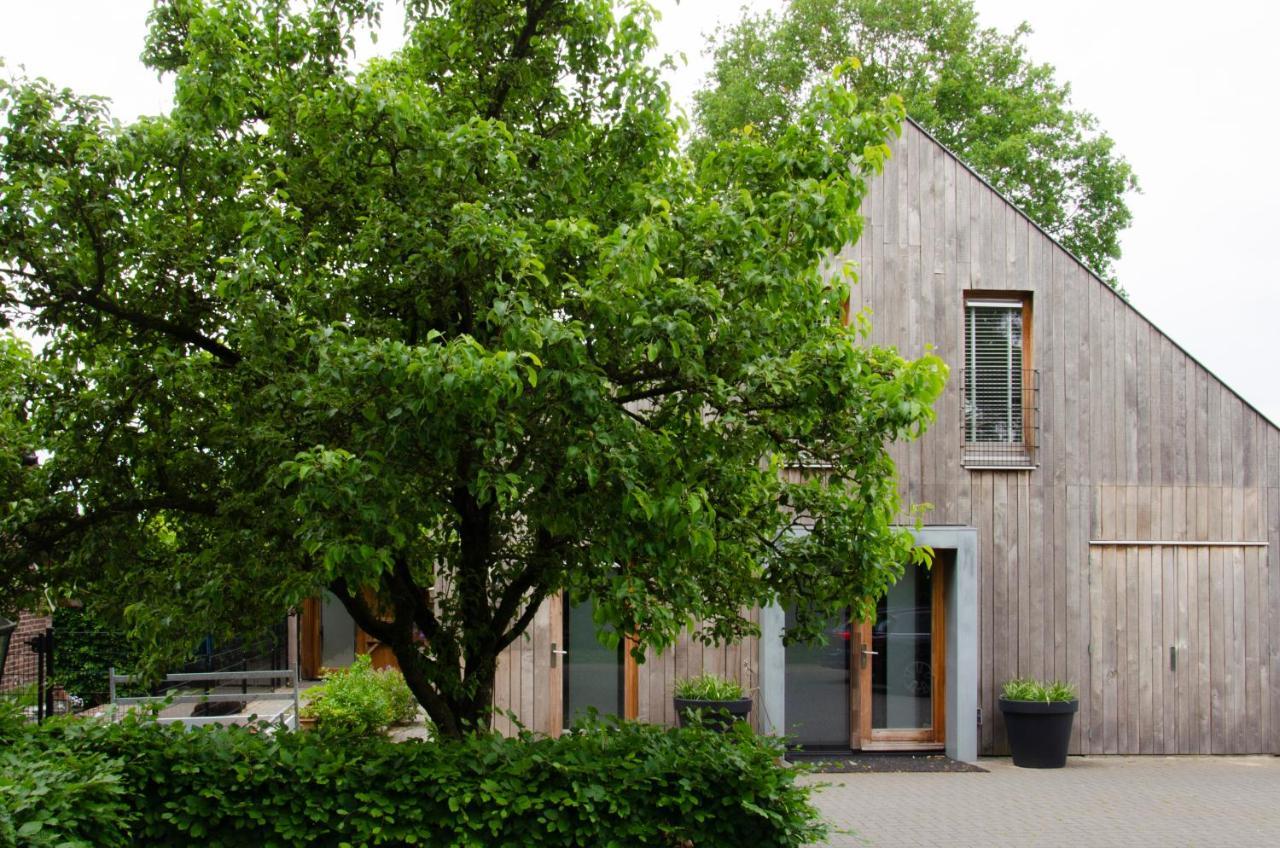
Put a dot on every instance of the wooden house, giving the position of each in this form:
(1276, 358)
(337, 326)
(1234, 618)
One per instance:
(1104, 510)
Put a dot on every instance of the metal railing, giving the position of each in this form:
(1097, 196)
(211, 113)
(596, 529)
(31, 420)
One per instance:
(1000, 417)
(27, 678)
(286, 716)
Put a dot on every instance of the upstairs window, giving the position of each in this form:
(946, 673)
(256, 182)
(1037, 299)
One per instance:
(998, 384)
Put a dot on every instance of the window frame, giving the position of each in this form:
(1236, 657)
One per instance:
(978, 455)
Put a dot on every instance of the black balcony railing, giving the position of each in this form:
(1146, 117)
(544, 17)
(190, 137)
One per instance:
(1000, 410)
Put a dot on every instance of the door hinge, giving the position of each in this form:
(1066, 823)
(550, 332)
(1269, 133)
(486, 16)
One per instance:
(979, 716)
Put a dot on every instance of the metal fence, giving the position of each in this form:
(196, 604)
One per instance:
(27, 678)
(64, 670)
(214, 696)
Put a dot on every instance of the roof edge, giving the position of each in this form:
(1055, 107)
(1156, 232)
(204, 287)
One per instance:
(1089, 271)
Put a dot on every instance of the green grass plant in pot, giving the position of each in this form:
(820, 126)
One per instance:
(1037, 718)
(715, 701)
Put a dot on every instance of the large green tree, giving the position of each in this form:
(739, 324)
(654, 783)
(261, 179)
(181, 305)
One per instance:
(443, 336)
(19, 375)
(976, 89)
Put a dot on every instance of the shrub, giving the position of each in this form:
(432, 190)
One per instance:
(1023, 689)
(616, 784)
(59, 797)
(709, 687)
(361, 701)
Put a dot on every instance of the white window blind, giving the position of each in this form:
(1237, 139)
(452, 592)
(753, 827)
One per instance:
(993, 377)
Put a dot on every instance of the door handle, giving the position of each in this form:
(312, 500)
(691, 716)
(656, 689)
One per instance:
(1173, 657)
(556, 653)
(862, 649)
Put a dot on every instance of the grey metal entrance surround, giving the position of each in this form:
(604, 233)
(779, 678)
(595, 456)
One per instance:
(962, 646)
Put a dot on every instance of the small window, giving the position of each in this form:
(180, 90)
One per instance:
(999, 387)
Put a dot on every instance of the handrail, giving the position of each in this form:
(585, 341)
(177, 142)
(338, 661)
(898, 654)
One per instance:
(288, 674)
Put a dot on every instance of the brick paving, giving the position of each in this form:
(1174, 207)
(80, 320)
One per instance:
(1095, 802)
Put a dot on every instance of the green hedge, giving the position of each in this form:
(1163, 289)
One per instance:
(616, 785)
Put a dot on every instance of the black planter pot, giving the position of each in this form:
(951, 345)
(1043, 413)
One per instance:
(1039, 732)
(717, 715)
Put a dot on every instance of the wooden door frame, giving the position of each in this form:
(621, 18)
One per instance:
(862, 734)
(309, 638)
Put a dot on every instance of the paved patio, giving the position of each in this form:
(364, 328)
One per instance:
(1096, 802)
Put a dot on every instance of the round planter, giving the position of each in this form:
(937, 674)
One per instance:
(717, 715)
(1039, 732)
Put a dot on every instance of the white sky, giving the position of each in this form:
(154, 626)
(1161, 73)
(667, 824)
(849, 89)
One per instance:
(1186, 90)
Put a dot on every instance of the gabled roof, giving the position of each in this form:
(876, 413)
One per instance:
(1089, 271)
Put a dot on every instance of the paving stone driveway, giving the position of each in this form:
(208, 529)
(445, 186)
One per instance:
(1095, 802)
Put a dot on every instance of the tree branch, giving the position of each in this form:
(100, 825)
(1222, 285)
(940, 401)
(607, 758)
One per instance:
(44, 538)
(534, 14)
(159, 325)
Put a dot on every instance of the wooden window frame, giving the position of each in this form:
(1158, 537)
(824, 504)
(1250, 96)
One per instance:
(1028, 410)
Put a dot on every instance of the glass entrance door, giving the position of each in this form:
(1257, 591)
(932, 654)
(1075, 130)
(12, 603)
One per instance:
(900, 661)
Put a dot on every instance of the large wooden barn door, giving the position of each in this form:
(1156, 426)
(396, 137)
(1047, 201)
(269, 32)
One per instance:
(1178, 650)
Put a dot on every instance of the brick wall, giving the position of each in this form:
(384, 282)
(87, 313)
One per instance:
(20, 667)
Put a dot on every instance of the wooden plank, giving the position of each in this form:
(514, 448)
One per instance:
(1076, 621)
(502, 693)
(1026, 571)
(1204, 649)
(1252, 736)
(1108, 601)
(1132, 677)
(1215, 416)
(1001, 601)
(1187, 681)
(1239, 662)
(984, 519)
(1218, 680)
(1121, 411)
(1120, 658)
(1180, 440)
(1273, 594)
(938, 658)
(1170, 621)
(539, 715)
(527, 670)
(1139, 401)
(1145, 721)
(1266, 647)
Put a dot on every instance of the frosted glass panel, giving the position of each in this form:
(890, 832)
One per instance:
(337, 634)
(592, 672)
(817, 688)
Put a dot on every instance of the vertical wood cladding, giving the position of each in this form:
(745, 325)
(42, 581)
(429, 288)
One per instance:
(1139, 442)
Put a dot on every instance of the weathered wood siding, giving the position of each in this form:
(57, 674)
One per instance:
(1138, 442)
(530, 688)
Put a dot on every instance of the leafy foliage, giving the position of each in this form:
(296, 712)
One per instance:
(19, 373)
(616, 784)
(972, 87)
(1024, 689)
(57, 797)
(444, 336)
(86, 649)
(709, 687)
(361, 700)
